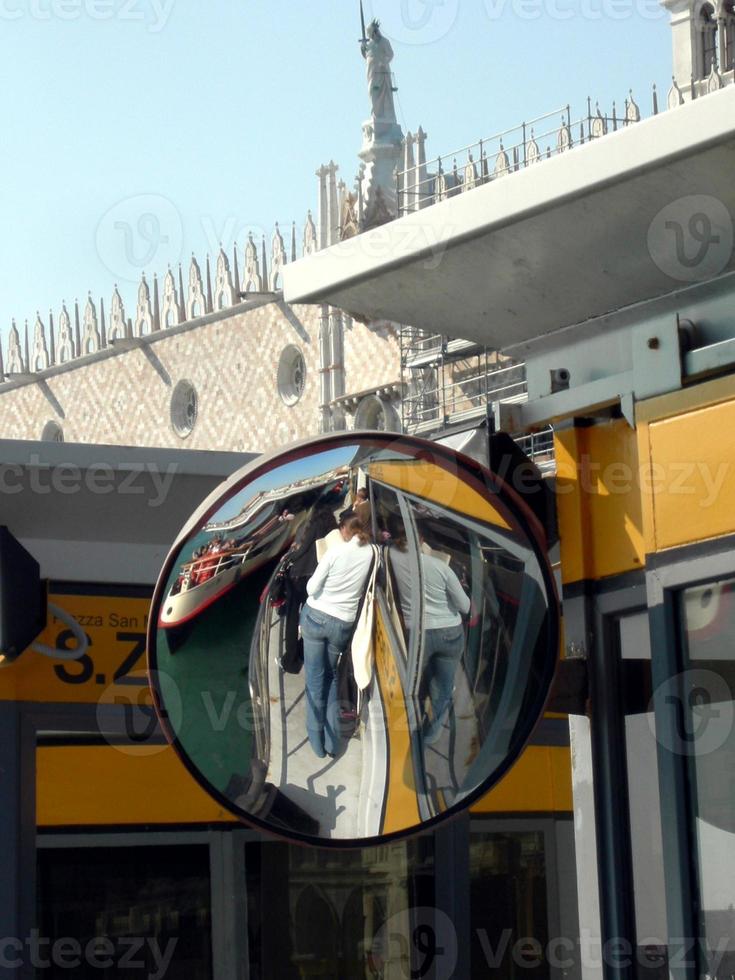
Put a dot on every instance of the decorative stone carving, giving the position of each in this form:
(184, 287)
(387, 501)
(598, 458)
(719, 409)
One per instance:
(196, 305)
(382, 146)
(91, 341)
(470, 175)
(144, 312)
(440, 186)
(252, 278)
(378, 211)
(502, 163)
(39, 355)
(598, 126)
(118, 329)
(310, 243)
(533, 153)
(278, 259)
(15, 354)
(170, 309)
(564, 138)
(378, 54)
(714, 80)
(224, 290)
(349, 225)
(65, 344)
(675, 97)
(632, 112)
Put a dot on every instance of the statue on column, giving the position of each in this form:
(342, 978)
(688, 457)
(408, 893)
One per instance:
(378, 53)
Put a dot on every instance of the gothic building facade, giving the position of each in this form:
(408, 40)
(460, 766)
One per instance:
(213, 358)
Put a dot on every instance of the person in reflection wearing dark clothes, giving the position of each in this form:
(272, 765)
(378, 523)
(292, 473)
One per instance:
(327, 622)
(302, 561)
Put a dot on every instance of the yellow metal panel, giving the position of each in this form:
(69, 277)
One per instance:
(598, 501)
(573, 518)
(692, 476)
(438, 485)
(540, 782)
(117, 785)
(401, 807)
(686, 399)
(114, 665)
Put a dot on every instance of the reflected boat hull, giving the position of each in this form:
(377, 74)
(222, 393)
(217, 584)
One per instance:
(184, 606)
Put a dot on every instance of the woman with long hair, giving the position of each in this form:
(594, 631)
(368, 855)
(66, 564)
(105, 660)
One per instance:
(327, 622)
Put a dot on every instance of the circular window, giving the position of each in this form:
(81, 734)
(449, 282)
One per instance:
(291, 375)
(184, 402)
(52, 432)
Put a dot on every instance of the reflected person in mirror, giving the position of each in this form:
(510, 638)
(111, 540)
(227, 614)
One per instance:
(444, 604)
(301, 565)
(327, 622)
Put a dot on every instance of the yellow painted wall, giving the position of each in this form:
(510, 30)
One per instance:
(118, 785)
(687, 446)
(598, 501)
(438, 485)
(108, 785)
(540, 782)
(113, 668)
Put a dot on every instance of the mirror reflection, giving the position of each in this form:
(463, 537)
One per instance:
(362, 637)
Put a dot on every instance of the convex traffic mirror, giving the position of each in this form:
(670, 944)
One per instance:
(354, 638)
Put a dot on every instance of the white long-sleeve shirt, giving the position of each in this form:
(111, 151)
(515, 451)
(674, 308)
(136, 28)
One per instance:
(444, 598)
(339, 581)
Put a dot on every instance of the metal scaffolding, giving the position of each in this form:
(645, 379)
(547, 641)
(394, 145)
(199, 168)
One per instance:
(448, 383)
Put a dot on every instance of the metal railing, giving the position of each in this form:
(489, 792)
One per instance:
(422, 184)
(539, 446)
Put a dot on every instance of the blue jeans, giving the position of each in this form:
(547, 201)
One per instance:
(443, 650)
(325, 637)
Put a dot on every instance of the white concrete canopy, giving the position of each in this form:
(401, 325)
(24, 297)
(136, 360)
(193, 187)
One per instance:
(92, 513)
(549, 246)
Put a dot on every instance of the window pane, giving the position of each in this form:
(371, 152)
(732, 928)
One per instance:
(335, 914)
(509, 903)
(138, 907)
(708, 734)
(643, 796)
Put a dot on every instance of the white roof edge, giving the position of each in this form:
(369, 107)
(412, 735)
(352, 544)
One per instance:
(673, 134)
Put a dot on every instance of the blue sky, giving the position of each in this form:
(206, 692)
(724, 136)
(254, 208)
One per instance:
(134, 132)
(298, 469)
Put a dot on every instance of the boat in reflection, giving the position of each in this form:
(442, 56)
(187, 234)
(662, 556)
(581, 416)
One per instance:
(232, 549)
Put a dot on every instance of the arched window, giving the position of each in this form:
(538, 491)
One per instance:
(728, 62)
(708, 43)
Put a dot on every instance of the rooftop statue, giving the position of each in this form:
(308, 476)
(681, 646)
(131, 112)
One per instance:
(378, 53)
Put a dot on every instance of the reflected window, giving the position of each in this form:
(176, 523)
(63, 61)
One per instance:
(157, 898)
(508, 893)
(643, 795)
(392, 526)
(339, 913)
(707, 727)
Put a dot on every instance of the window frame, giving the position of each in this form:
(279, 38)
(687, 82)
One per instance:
(667, 577)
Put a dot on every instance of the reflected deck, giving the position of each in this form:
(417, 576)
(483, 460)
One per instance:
(327, 789)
